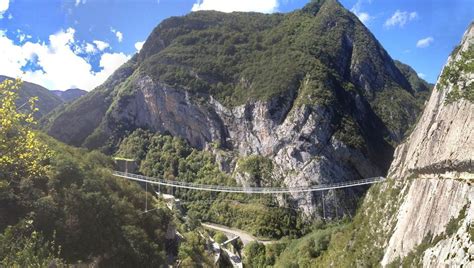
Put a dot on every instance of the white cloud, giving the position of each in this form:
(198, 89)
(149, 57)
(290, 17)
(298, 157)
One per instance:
(78, 2)
(21, 36)
(364, 17)
(90, 48)
(139, 45)
(421, 75)
(400, 18)
(110, 62)
(118, 34)
(425, 42)
(4, 4)
(60, 66)
(265, 6)
(101, 45)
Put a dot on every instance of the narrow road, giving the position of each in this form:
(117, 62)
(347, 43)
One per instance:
(231, 232)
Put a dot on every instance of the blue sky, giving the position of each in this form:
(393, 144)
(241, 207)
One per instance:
(79, 43)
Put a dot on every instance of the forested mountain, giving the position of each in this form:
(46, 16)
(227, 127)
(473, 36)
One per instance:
(253, 100)
(241, 58)
(423, 215)
(311, 90)
(47, 100)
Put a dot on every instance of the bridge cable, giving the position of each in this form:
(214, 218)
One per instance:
(248, 190)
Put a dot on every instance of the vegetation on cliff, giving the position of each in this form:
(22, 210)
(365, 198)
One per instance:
(458, 75)
(358, 242)
(172, 158)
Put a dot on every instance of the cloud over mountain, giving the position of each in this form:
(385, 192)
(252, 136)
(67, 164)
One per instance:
(57, 64)
(400, 18)
(265, 6)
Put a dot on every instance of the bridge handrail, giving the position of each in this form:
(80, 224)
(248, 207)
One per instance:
(241, 189)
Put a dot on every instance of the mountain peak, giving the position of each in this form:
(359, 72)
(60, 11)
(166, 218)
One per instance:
(69, 94)
(239, 58)
(314, 6)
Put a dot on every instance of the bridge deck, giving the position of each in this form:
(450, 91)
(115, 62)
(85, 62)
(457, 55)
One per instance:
(247, 190)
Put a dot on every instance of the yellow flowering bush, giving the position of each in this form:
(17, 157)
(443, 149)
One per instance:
(22, 154)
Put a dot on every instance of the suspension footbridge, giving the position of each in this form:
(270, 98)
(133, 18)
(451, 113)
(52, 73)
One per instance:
(247, 190)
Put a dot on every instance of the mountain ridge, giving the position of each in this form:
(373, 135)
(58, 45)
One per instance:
(69, 95)
(422, 216)
(154, 47)
(47, 100)
(313, 90)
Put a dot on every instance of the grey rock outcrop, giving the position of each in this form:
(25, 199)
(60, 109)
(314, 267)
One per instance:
(313, 91)
(439, 157)
(301, 140)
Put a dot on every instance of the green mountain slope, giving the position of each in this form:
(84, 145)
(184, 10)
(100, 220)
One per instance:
(47, 100)
(422, 215)
(242, 57)
(312, 91)
(70, 94)
(61, 206)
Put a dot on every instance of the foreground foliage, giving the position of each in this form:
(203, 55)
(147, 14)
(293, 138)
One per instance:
(46, 99)
(21, 154)
(57, 202)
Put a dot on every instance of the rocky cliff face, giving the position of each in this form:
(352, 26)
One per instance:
(437, 212)
(311, 90)
(422, 216)
(302, 141)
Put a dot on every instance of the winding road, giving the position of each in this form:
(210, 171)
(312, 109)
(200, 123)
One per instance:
(231, 232)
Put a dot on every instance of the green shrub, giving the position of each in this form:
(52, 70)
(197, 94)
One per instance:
(254, 253)
(220, 237)
(457, 74)
(259, 169)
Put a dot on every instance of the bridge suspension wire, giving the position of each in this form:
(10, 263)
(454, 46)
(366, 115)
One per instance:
(247, 190)
(146, 196)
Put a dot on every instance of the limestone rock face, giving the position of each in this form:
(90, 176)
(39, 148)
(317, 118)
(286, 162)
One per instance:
(313, 91)
(439, 157)
(300, 141)
(426, 210)
(443, 138)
